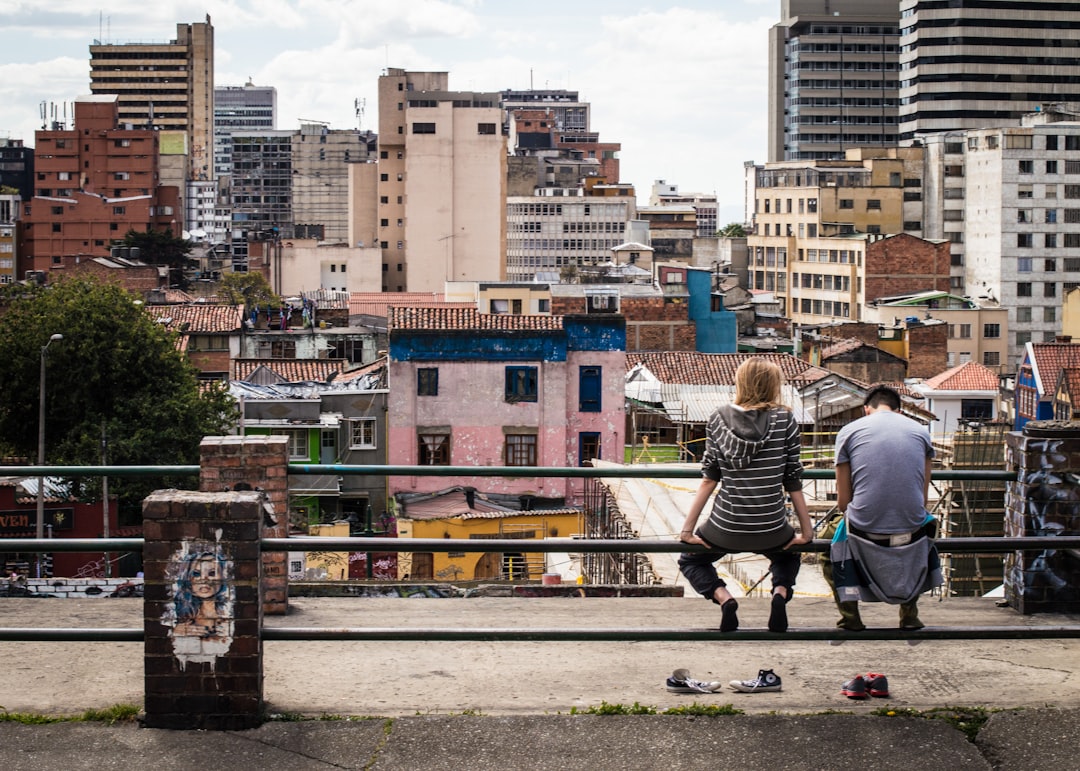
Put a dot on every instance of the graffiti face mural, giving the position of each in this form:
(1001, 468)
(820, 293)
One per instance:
(200, 612)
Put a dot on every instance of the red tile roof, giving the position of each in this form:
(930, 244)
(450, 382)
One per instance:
(376, 303)
(969, 376)
(292, 370)
(1050, 359)
(691, 368)
(198, 318)
(837, 347)
(1071, 376)
(467, 318)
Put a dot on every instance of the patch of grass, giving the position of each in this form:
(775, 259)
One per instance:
(704, 710)
(286, 717)
(615, 709)
(118, 713)
(967, 720)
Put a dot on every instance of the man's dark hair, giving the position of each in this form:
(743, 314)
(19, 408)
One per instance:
(883, 395)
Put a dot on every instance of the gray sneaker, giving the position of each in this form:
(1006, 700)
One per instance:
(766, 681)
(681, 682)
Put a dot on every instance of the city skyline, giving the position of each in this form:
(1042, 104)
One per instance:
(681, 85)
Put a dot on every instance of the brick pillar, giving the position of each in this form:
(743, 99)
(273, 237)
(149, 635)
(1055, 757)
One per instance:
(1043, 501)
(203, 666)
(255, 463)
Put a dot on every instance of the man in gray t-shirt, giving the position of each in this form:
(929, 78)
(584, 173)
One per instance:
(883, 463)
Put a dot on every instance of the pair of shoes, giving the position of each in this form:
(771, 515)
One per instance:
(681, 682)
(729, 621)
(778, 614)
(766, 681)
(861, 686)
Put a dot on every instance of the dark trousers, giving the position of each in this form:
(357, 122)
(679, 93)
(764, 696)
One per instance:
(700, 570)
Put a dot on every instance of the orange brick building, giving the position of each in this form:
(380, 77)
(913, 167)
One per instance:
(94, 183)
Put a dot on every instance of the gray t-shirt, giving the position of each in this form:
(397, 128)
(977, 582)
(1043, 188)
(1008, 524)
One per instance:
(887, 452)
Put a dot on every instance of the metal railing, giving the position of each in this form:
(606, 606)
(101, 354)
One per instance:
(558, 545)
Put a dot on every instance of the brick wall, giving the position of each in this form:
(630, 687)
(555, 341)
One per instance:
(651, 323)
(1043, 501)
(901, 264)
(928, 353)
(255, 463)
(202, 615)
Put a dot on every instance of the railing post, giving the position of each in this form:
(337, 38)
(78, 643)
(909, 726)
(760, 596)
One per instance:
(202, 617)
(1043, 501)
(255, 463)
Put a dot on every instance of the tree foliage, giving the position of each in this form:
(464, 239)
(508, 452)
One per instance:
(247, 289)
(161, 247)
(115, 369)
(732, 230)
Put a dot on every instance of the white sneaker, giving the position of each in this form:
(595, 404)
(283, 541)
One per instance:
(766, 680)
(681, 682)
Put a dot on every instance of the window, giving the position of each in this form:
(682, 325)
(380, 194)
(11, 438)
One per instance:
(433, 449)
(1049, 313)
(1023, 215)
(56, 227)
(520, 450)
(521, 384)
(976, 409)
(588, 447)
(1024, 240)
(543, 306)
(423, 128)
(847, 203)
(1051, 216)
(1027, 167)
(589, 398)
(1050, 240)
(427, 381)
(1023, 289)
(991, 330)
(1051, 167)
(1050, 289)
(965, 331)
(991, 358)
(872, 204)
(56, 210)
(1019, 141)
(362, 434)
(485, 128)
(1023, 313)
(298, 442)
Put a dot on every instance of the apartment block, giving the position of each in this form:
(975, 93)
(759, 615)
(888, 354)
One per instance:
(704, 204)
(321, 157)
(240, 108)
(164, 85)
(970, 65)
(16, 167)
(95, 182)
(442, 183)
(833, 78)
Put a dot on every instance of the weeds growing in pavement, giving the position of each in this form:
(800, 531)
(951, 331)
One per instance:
(967, 720)
(118, 713)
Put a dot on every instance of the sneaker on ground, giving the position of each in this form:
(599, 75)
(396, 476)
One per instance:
(766, 681)
(681, 682)
(854, 688)
(877, 685)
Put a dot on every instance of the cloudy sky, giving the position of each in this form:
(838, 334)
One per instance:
(681, 84)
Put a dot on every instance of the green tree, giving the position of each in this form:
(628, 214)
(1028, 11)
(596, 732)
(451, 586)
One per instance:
(247, 289)
(732, 230)
(161, 247)
(115, 369)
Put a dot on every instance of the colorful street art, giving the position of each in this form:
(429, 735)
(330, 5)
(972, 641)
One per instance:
(200, 611)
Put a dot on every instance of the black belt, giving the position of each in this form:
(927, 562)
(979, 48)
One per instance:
(922, 532)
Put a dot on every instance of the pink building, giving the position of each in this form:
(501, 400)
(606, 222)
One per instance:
(478, 389)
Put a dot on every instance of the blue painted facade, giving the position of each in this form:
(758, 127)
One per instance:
(717, 331)
(600, 332)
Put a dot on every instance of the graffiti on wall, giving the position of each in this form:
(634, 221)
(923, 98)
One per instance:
(200, 609)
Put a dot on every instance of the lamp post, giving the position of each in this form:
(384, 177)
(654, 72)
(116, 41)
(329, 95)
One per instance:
(40, 531)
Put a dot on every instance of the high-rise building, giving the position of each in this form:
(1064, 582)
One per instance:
(95, 182)
(832, 78)
(442, 183)
(240, 108)
(970, 65)
(260, 191)
(321, 157)
(164, 85)
(17, 166)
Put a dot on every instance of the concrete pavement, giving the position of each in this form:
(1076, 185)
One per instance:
(509, 705)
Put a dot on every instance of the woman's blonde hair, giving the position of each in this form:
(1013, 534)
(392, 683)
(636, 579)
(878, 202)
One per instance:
(757, 384)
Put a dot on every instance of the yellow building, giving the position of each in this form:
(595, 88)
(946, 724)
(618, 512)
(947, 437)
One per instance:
(328, 565)
(449, 515)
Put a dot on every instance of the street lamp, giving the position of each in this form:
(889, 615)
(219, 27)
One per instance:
(40, 533)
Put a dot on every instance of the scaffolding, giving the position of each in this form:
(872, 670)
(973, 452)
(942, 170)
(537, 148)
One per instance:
(604, 520)
(969, 508)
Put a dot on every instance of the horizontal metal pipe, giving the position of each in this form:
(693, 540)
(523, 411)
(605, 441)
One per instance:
(518, 472)
(973, 545)
(560, 634)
